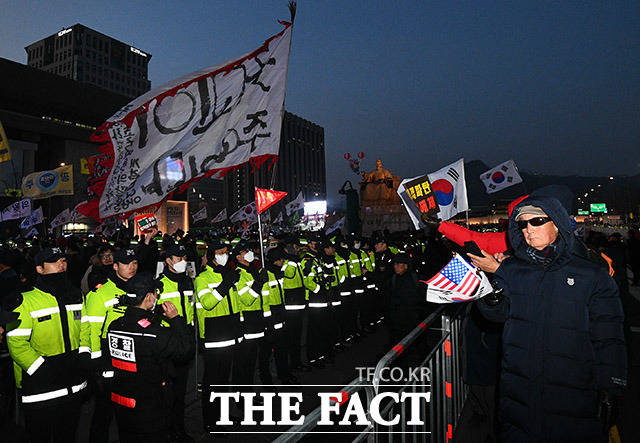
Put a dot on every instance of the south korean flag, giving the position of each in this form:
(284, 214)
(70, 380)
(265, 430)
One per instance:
(500, 177)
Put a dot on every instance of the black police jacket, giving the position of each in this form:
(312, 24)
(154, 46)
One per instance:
(140, 351)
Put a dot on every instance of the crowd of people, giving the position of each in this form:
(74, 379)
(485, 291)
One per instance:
(119, 320)
(211, 291)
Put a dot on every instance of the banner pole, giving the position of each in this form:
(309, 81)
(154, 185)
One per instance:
(260, 235)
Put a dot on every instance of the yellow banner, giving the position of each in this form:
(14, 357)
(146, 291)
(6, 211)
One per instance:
(44, 184)
(84, 166)
(5, 153)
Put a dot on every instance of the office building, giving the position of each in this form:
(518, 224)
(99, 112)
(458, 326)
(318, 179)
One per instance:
(300, 167)
(85, 55)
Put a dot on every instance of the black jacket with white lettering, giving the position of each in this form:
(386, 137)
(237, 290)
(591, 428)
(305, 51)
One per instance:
(139, 351)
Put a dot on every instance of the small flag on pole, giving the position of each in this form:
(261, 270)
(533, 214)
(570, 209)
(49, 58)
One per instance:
(458, 275)
(222, 215)
(200, 215)
(265, 198)
(500, 177)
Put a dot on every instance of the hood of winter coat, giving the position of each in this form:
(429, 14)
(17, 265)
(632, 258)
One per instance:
(555, 201)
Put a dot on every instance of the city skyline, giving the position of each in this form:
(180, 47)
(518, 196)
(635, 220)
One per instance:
(555, 87)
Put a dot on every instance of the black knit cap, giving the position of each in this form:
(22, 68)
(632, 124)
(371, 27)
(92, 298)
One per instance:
(176, 251)
(138, 287)
(124, 256)
(48, 255)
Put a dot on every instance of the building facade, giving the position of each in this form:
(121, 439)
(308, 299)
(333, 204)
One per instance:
(300, 167)
(85, 55)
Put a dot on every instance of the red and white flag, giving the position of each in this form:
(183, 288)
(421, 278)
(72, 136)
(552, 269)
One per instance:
(203, 124)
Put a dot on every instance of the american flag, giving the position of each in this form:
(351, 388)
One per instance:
(458, 275)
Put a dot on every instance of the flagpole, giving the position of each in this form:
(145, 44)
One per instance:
(260, 235)
(292, 5)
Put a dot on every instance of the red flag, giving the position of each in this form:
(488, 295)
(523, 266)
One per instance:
(265, 198)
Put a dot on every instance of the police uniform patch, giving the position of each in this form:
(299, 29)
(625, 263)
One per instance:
(122, 347)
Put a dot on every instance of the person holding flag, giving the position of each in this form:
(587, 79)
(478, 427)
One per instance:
(563, 341)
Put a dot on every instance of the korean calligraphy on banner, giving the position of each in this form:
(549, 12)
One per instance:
(204, 123)
(421, 193)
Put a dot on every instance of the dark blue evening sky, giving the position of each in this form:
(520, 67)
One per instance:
(553, 85)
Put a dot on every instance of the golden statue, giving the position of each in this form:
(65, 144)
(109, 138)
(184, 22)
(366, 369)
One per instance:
(378, 187)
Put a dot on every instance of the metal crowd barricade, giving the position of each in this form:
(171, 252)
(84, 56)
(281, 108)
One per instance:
(445, 387)
(296, 433)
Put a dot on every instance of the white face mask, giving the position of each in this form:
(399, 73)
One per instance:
(222, 259)
(249, 257)
(180, 267)
(356, 245)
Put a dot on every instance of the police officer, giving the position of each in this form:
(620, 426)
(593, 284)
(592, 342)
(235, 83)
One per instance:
(218, 315)
(249, 288)
(318, 285)
(177, 289)
(383, 257)
(44, 344)
(295, 304)
(274, 313)
(101, 308)
(141, 350)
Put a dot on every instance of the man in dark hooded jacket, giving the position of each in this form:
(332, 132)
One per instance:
(564, 358)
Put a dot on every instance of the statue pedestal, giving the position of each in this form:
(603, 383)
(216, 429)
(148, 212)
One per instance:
(381, 217)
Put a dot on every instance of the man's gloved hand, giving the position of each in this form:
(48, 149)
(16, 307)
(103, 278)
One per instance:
(607, 410)
(307, 266)
(494, 298)
(263, 277)
(231, 276)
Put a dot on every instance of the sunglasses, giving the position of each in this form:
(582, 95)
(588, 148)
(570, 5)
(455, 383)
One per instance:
(536, 221)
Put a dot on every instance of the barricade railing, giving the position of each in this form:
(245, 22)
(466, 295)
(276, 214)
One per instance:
(296, 433)
(444, 387)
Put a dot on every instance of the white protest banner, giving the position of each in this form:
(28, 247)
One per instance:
(222, 215)
(206, 122)
(61, 219)
(337, 225)
(35, 218)
(296, 204)
(200, 215)
(16, 210)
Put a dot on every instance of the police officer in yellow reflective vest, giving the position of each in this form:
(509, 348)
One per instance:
(140, 352)
(344, 293)
(99, 310)
(318, 285)
(177, 289)
(294, 304)
(43, 344)
(274, 314)
(251, 305)
(218, 316)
